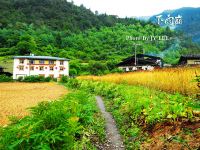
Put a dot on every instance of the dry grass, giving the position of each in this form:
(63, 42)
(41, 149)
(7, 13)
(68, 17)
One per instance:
(15, 98)
(170, 80)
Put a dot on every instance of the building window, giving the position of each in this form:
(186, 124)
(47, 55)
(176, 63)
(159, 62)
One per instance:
(197, 62)
(41, 68)
(21, 68)
(41, 61)
(31, 62)
(21, 61)
(51, 68)
(61, 68)
(51, 62)
(61, 62)
(31, 68)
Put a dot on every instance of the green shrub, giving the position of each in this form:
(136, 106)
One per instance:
(36, 79)
(64, 79)
(4, 78)
(48, 79)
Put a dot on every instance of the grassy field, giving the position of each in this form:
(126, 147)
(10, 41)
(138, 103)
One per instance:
(15, 98)
(169, 80)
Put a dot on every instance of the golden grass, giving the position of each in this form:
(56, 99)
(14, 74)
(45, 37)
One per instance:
(15, 98)
(169, 80)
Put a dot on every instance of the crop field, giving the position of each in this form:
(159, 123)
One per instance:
(170, 80)
(15, 98)
(148, 118)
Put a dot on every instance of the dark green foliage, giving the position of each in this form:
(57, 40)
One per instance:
(26, 45)
(69, 123)
(64, 79)
(97, 68)
(4, 78)
(36, 79)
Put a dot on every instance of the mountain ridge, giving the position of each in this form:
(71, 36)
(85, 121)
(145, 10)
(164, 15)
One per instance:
(191, 21)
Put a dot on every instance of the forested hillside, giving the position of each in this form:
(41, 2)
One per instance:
(95, 43)
(54, 14)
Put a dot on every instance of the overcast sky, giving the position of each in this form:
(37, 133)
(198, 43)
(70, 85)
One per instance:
(132, 8)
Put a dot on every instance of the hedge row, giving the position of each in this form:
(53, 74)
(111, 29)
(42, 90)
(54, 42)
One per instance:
(4, 78)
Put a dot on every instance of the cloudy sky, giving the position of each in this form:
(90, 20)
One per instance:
(132, 8)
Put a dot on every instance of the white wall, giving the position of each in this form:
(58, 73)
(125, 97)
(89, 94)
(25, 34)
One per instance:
(27, 72)
(135, 68)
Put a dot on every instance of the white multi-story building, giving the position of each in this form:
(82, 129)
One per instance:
(46, 66)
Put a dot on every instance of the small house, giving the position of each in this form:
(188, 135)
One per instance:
(190, 60)
(141, 62)
(46, 66)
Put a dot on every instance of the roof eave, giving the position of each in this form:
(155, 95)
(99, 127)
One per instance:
(27, 57)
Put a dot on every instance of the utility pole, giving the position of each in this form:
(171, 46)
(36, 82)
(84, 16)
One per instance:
(136, 53)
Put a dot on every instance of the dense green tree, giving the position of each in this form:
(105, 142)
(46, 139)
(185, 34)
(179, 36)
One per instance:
(26, 45)
(97, 68)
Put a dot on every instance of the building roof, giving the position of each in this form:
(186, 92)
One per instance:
(191, 56)
(183, 59)
(142, 59)
(41, 57)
